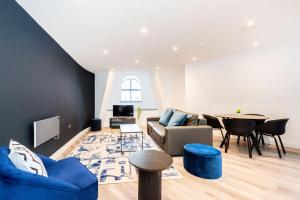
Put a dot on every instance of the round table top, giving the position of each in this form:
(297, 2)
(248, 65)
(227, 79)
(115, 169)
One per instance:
(150, 160)
(241, 116)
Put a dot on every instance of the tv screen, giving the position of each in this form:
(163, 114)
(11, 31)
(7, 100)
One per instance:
(122, 110)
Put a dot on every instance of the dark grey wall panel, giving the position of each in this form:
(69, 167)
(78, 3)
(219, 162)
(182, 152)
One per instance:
(38, 79)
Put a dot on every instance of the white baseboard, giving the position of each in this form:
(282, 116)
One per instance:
(288, 144)
(269, 140)
(68, 144)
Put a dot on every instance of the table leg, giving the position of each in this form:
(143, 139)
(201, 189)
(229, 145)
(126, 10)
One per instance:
(142, 140)
(224, 140)
(256, 146)
(121, 142)
(149, 185)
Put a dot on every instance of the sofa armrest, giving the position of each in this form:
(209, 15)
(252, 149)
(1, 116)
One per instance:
(37, 187)
(38, 181)
(153, 118)
(178, 136)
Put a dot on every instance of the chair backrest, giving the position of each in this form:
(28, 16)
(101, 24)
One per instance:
(257, 121)
(212, 121)
(239, 126)
(276, 127)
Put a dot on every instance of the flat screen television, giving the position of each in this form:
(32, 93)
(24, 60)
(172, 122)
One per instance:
(123, 110)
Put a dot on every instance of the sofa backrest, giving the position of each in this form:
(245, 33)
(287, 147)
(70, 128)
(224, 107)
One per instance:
(191, 120)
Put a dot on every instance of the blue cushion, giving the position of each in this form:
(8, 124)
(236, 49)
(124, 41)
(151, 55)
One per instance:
(165, 118)
(202, 160)
(68, 179)
(177, 119)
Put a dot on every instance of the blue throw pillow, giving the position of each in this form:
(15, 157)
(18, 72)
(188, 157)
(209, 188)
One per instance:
(165, 118)
(177, 119)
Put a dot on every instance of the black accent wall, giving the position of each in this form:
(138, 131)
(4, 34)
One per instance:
(38, 79)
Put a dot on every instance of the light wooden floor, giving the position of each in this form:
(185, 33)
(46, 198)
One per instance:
(262, 177)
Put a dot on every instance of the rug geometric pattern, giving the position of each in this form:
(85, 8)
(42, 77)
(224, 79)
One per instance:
(100, 153)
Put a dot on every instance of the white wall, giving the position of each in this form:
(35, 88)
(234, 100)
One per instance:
(263, 81)
(171, 87)
(100, 85)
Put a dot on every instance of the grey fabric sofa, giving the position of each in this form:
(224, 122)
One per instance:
(172, 139)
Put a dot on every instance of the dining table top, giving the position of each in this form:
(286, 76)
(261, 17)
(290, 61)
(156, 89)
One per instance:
(242, 116)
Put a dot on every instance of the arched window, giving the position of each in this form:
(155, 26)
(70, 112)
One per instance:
(131, 90)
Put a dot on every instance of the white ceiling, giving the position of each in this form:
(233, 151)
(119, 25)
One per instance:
(85, 28)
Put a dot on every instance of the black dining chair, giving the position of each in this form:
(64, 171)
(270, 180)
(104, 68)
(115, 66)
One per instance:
(213, 122)
(240, 127)
(257, 121)
(273, 128)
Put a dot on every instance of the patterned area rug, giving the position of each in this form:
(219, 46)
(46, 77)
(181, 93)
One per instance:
(100, 153)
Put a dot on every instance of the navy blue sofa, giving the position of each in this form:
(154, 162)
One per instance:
(67, 179)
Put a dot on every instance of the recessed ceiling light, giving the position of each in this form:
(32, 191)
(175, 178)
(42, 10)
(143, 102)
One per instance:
(202, 45)
(175, 48)
(136, 61)
(194, 58)
(157, 67)
(144, 30)
(249, 25)
(255, 43)
(105, 52)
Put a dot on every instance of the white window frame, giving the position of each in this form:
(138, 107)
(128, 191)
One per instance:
(130, 90)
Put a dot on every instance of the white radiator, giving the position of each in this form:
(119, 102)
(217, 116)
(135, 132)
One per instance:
(45, 130)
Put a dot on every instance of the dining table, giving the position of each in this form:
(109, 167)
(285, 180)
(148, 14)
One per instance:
(242, 116)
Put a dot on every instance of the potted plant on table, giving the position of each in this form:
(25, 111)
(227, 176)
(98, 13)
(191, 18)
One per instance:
(238, 111)
(138, 112)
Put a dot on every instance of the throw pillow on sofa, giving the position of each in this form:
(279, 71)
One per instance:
(166, 116)
(177, 119)
(26, 160)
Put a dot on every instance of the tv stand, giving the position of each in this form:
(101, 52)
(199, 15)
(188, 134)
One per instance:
(114, 122)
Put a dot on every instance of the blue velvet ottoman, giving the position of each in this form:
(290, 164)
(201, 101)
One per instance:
(202, 160)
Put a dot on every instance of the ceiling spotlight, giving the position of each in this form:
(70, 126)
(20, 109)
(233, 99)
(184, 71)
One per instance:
(144, 30)
(175, 48)
(255, 43)
(157, 67)
(105, 52)
(250, 23)
(202, 45)
(194, 58)
(136, 61)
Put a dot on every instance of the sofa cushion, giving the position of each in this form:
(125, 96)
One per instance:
(166, 116)
(177, 119)
(191, 120)
(25, 160)
(158, 132)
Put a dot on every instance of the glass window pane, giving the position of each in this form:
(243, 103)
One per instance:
(126, 84)
(136, 95)
(135, 84)
(125, 95)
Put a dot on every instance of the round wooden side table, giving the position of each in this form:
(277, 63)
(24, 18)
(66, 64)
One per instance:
(150, 163)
